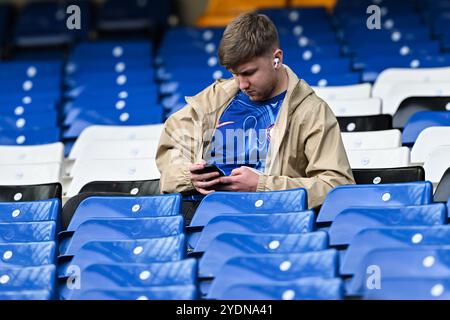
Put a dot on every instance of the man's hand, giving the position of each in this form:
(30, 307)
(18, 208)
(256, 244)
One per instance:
(241, 179)
(203, 182)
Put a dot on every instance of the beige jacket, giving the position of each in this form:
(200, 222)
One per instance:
(306, 149)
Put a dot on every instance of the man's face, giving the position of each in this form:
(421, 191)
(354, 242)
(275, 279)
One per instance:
(257, 78)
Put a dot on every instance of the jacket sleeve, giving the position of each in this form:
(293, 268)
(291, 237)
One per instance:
(177, 149)
(327, 165)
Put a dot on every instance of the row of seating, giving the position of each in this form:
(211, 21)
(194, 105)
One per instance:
(28, 244)
(125, 247)
(44, 24)
(110, 83)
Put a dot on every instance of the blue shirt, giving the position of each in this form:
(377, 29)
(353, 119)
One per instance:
(242, 136)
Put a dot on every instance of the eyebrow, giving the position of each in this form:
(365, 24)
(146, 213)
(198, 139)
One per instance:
(247, 71)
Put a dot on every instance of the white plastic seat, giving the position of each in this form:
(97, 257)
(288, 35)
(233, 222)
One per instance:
(44, 153)
(428, 140)
(150, 132)
(436, 163)
(356, 91)
(355, 107)
(384, 139)
(379, 158)
(402, 91)
(26, 174)
(110, 170)
(393, 76)
(114, 149)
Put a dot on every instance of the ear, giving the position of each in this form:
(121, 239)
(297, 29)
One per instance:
(278, 58)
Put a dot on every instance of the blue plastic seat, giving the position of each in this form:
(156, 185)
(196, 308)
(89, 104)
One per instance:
(403, 263)
(419, 121)
(44, 24)
(122, 207)
(295, 222)
(28, 278)
(301, 289)
(410, 289)
(381, 195)
(110, 51)
(125, 251)
(134, 275)
(229, 245)
(30, 136)
(332, 79)
(27, 295)
(260, 268)
(184, 292)
(45, 210)
(87, 118)
(119, 229)
(47, 119)
(219, 203)
(351, 221)
(391, 237)
(30, 254)
(27, 231)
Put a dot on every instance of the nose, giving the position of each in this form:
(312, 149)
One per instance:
(243, 83)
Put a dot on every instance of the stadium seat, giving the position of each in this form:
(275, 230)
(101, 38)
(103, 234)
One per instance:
(259, 268)
(350, 222)
(33, 254)
(133, 275)
(355, 107)
(389, 175)
(301, 289)
(437, 163)
(32, 154)
(384, 139)
(402, 91)
(31, 211)
(406, 237)
(393, 76)
(118, 229)
(124, 251)
(420, 262)
(110, 170)
(25, 174)
(410, 106)
(30, 192)
(27, 231)
(382, 195)
(18, 279)
(151, 132)
(442, 192)
(428, 139)
(365, 123)
(422, 120)
(295, 222)
(379, 158)
(218, 203)
(124, 207)
(27, 295)
(136, 188)
(417, 288)
(350, 92)
(115, 149)
(181, 292)
(229, 245)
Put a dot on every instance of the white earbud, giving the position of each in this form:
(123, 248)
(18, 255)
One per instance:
(276, 62)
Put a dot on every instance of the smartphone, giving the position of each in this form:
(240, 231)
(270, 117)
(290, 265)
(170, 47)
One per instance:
(211, 168)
